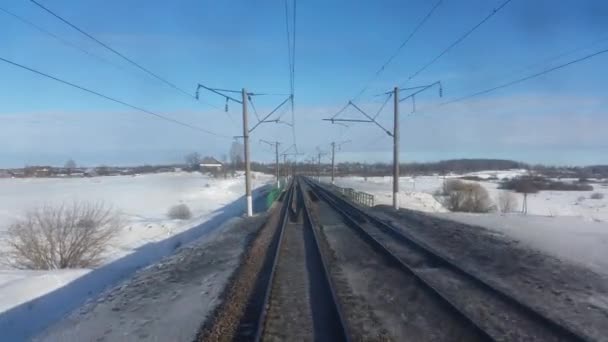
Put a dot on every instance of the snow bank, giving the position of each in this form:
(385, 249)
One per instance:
(570, 238)
(143, 200)
(567, 224)
(416, 193)
(18, 287)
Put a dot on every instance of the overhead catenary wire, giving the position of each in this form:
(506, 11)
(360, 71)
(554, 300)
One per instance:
(458, 41)
(388, 62)
(263, 120)
(59, 39)
(396, 53)
(526, 78)
(140, 109)
(253, 107)
(291, 46)
(388, 97)
(558, 56)
(106, 46)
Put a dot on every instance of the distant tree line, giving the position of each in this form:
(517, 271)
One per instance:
(534, 184)
(234, 161)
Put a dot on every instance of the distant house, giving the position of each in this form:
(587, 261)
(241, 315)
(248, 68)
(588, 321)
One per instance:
(210, 164)
(17, 173)
(91, 172)
(43, 171)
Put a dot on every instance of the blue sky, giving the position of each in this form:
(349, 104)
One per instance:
(559, 118)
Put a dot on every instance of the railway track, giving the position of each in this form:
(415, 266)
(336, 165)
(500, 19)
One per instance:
(296, 300)
(493, 314)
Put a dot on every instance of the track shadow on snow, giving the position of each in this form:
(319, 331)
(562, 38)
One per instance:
(25, 321)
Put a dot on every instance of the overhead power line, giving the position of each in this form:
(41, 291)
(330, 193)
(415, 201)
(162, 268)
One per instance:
(458, 41)
(291, 54)
(59, 39)
(396, 53)
(132, 62)
(160, 116)
(558, 56)
(526, 78)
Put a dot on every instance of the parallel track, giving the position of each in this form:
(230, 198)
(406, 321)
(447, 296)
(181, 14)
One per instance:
(355, 216)
(326, 316)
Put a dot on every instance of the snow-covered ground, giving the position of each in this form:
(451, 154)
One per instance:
(417, 194)
(142, 200)
(567, 224)
(565, 237)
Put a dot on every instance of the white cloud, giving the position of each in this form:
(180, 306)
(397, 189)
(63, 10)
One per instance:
(519, 127)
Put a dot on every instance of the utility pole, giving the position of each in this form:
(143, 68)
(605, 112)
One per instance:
(247, 164)
(246, 130)
(275, 144)
(395, 134)
(333, 160)
(276, 163)
(319, 155)
(396, 150)
(319, 168)
(333, 157)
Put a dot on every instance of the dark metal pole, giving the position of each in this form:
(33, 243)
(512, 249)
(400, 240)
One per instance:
(276, 146)
(319, 168)
(396, 150)
(333, 157)
(247, 161)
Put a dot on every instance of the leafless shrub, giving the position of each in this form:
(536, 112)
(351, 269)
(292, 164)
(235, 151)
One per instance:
(467, 197)
(507, 202)
(65, 236)
(179, 212)
(451, 185)
(597, 195)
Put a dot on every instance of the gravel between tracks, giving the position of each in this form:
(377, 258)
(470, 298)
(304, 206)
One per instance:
(224, 323)
(381, 302)
(289, 315)
(568, 292)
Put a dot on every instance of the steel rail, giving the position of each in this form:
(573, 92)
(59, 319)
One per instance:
(286, 211)
(377, 245)
(407, 238)
(268, 290)
(330, 283)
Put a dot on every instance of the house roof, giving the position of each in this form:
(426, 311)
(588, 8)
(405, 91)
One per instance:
(210, 161)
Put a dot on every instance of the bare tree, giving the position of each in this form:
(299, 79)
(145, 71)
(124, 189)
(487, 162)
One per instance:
(70, 165)
(237, 154)
(65, 236)
(193, 161)
(225, 166)
(507, 202)
(179, 212)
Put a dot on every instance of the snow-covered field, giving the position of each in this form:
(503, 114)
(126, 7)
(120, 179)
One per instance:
(567, 224)
(142, 200)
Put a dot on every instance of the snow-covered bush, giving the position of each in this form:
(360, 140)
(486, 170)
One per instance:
(179, 212)
(467, 197)
(64, 236)
(597, 195)
(507, 202)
